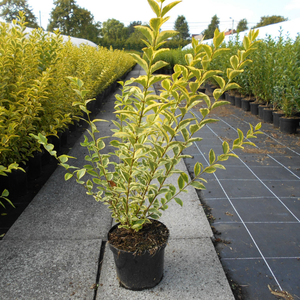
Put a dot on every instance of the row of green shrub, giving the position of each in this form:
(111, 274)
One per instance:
(272, 78)
(35, 92)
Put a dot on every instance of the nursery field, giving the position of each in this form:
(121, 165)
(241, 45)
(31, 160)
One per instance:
(253, 208)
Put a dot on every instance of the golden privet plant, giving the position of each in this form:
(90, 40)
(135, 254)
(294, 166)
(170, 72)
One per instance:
(147, 151)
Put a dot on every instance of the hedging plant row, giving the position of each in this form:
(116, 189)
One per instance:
(35, 92)
(272, 78)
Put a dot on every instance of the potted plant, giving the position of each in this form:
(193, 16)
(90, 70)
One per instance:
(131, 180)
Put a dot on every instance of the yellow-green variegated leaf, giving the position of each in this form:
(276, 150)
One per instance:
(158, 65)
(140, 61)
(155, 7)
(164, 35)
(169, 7)
(147, 32)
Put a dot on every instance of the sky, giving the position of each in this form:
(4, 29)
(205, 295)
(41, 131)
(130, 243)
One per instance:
(198, 13)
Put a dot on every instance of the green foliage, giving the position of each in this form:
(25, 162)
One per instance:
(182, 27)
(242, 25)
(147, 152)
(214, 24)
(10, 11)
(36, 95)
(113, 29)
(267, 20)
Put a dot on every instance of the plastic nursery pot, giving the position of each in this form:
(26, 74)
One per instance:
(268, 115)
(245, 104)
(238, 101)
(35, 165)
(261, 111)
(254, 108)
(138, 271)
(276, 117)
(288, 125)
(231, 99)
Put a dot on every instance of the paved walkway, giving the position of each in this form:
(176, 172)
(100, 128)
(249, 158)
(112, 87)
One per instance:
(255, 205)
(54, 250)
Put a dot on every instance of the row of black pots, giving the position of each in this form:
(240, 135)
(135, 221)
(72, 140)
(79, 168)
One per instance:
(266, 113)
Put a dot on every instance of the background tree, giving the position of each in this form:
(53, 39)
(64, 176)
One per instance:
(73, 20)
(181, 25)
(209, 32)
(10, 11)
(130, 27)
(113, 29)
(266, 20)
(242, 25)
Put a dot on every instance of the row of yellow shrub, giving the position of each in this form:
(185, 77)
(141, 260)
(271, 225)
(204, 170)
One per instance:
(35, 92)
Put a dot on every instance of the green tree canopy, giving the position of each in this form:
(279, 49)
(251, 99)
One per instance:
(10, 11)
(130, 27)
(182, 27)
(113, 29)
(266, 20)
(74, 21)
(242, 25)
(209, 32)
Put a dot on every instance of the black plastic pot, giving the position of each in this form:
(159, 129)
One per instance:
(35, 165)
(138, 271)
(288, 125)
(15, 182)
(254, 108)
(238, 101)
(261, 111)
(276, 117)
(268, 115)
(231, 99)
(245, 104)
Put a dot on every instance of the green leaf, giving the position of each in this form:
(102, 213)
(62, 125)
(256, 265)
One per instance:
(179, 201)
(146, 31)
(234, 61)
(158, 65)
(180, 182)
(155, 24)
(5, 193)
(168, 7)
(140, 61)
(164, 35)
(198, 185)
(212, 156)
(68, 176)
(155, 7)
(225, 147)
(219, 103)
(197, 169)
(81, 173)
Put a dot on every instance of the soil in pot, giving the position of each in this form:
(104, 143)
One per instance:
(289, 125)
(139, 256)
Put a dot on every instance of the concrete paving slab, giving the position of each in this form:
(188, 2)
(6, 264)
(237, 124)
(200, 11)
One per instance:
(192, 271)
(61, 210)
(48, 270)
